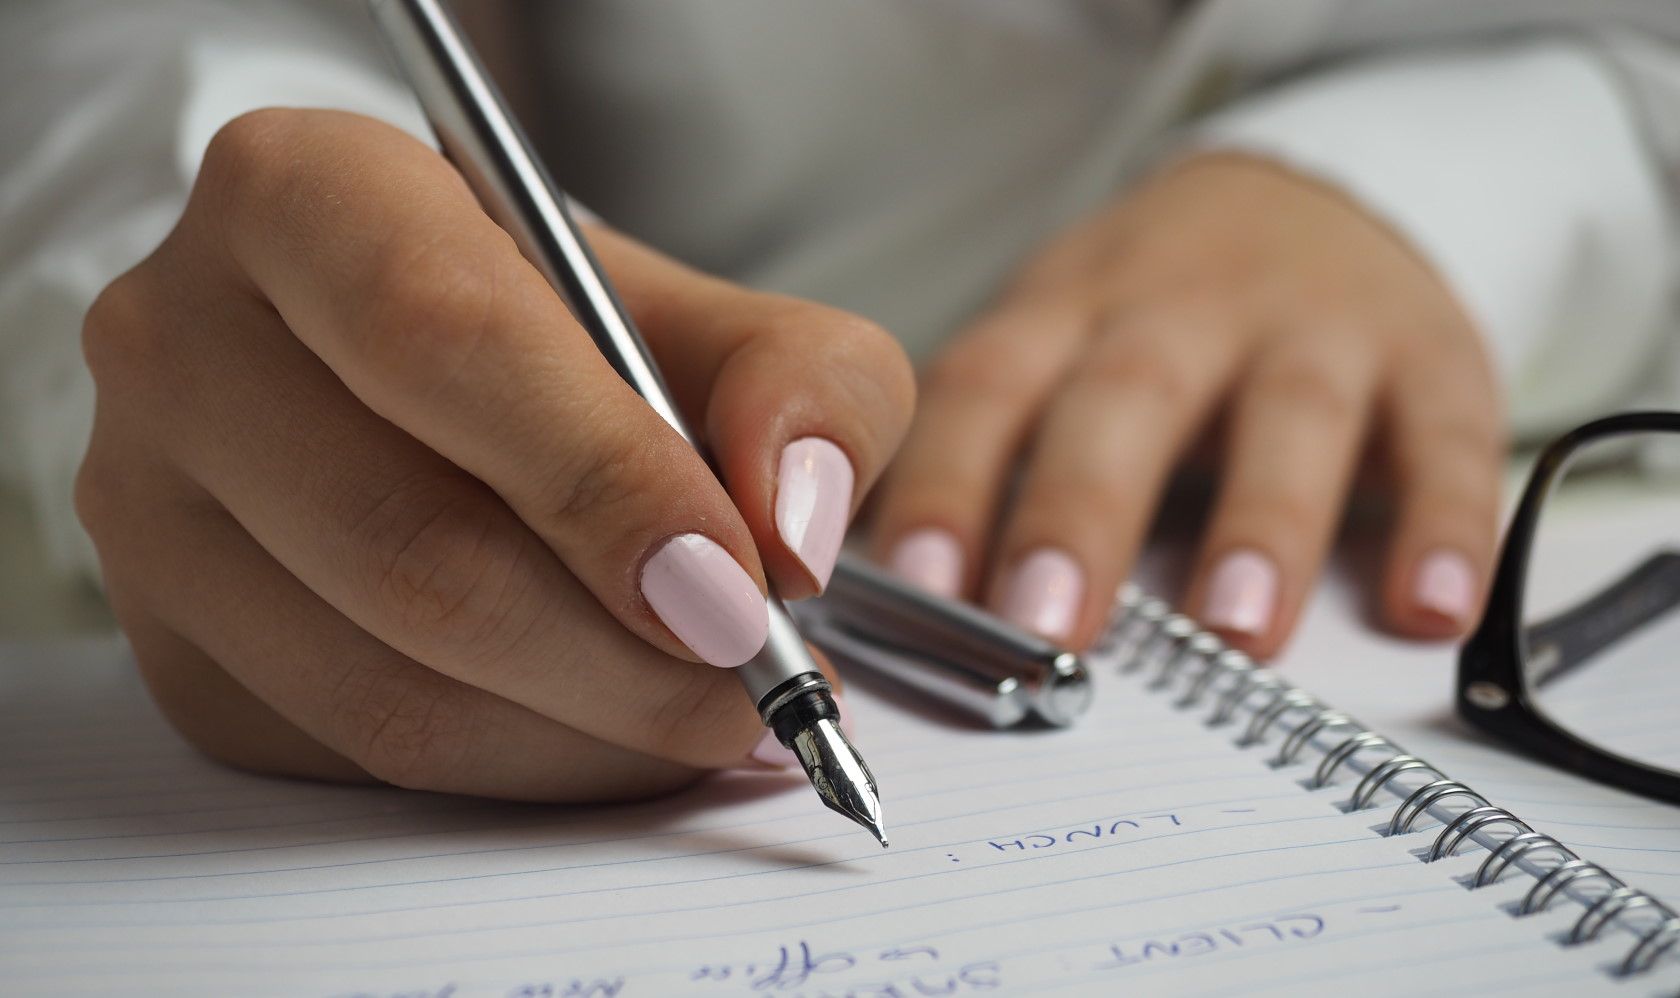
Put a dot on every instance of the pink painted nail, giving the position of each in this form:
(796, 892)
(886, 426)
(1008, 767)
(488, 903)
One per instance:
(1242, 593)
(814, 503)
(1445, 584)
(930, 558)
(1044, 593)
(707, 600)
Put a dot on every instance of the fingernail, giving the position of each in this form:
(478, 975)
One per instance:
(930, 558)
(1242, 593)
(813, 503)
(771, 752)
(1444, 583)
(1044, 593)
(707, 600)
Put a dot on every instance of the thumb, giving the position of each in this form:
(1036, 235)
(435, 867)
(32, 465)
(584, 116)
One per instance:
(801, 405)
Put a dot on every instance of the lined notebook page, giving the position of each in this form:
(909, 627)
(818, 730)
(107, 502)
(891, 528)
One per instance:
(1139, 851)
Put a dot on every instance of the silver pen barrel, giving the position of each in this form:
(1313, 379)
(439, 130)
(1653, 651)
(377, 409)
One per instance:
(480, 136)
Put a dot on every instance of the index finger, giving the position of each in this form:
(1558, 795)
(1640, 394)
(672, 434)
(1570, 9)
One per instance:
(377, 257)
(802, 404)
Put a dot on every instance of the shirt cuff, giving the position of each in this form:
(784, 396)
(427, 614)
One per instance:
(103, 186)
(1519, 172)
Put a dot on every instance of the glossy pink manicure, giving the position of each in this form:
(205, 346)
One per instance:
(1242, 593)
(1445, 584)
(813, 503)
(707, 600)
(930, 558)
(1043, 595)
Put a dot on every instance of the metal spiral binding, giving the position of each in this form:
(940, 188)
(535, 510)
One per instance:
(1301, 735)
(1284, 699)
(1228, 662)
(1240, 689)
(1565, 873)
(1651, 947)
(1497, 860)
(1467, 824)
(1136, 625)
(1601, 912)
(1198, 647)
(1376, 779)
(1162, 643)
(1147, 636)
(1334, 758)
(1425, 797)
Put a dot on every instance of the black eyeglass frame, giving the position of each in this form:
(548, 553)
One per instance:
(1493, 687)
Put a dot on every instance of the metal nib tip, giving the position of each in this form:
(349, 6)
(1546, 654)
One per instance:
(840, 777)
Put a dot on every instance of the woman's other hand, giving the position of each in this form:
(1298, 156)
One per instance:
(1225, 285)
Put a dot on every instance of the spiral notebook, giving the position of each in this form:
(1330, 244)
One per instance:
(1146, 850)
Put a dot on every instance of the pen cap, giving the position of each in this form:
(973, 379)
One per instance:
(999, 701)
(923, 632)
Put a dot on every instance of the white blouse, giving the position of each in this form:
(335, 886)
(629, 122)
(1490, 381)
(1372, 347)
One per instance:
(900, 157)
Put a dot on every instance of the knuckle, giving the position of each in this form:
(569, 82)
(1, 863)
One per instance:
(183, 684)
(439, 566)
(94, 498)
(119, 336)
(1456, 510)
(993, 369)
(868, 347)
(853, 336)
(175, 688)
(172, 689)
(1457, 486)
(1285, 520)
(1478, 441)
(595, 484)
(1439, 452)
(1145, 367)
(869, 370)
(431, 303)
(243, 157)
(1316, 393)
(408, 734)
(114, 494)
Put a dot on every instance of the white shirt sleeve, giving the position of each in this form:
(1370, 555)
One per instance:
(96, 165)
(1521, 173)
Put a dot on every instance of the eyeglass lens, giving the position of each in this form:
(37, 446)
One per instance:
(1601, 599)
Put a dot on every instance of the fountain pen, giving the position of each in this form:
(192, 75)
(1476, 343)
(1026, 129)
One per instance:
(478, 133)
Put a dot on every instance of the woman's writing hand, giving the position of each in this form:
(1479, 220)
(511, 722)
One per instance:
(1224, 286)
(369, 501)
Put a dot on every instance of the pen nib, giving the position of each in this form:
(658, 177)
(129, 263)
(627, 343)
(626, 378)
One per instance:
(840, 777)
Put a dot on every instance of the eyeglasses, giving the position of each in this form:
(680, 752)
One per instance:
(1577, 659)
